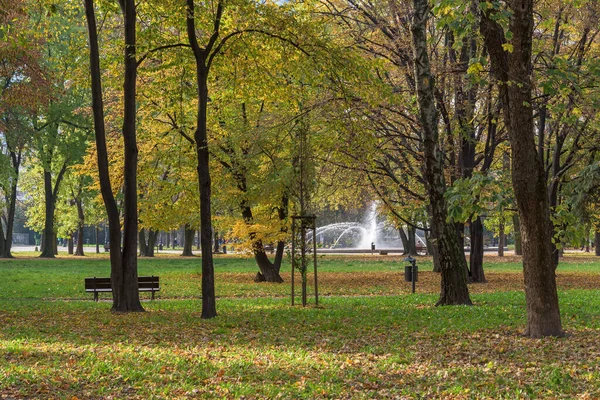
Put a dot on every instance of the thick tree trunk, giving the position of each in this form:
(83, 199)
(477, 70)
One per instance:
(70, 244)
(476, 257)
(2, 242)
(209, 308)
(81, 217)
(528, 176)
(412, 240)
(268, 272)
(142, 243)
(123, 265)
(597, 242)
(48, 236)
(517, 230)
(127, 297)
(6, 245)
(432, 250)
(501, 239)
(453, 265)
(188, 241)
(152, 237)
(97, 238)
(216, 242)
(404, 239)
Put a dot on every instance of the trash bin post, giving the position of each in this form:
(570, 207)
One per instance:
(411, 272)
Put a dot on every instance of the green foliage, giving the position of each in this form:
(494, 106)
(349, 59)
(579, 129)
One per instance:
(481, 194)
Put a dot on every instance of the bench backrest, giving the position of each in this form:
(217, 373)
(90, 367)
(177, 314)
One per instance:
(144, 282)
(148, 282)
(97, 283)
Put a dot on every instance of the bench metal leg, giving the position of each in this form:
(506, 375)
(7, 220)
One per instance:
(96, 297)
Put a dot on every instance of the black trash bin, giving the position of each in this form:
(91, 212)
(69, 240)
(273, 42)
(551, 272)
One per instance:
(408, 273)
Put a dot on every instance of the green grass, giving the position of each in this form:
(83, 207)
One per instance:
(57, 343)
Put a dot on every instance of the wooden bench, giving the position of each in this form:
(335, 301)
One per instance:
(102, 285)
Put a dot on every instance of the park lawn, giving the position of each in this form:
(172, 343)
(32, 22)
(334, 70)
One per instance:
(357, 344)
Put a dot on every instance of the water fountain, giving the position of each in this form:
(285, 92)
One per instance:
(358, 236)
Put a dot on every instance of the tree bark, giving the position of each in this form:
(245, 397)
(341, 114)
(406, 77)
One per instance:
(501, 238)
(123, 265)
(70, 244)
(6, 238)
(128, 295)
(152, 237)
(597, 242)
(81, 218)
(269, 272)
(202, 57)
(188, 241)
(412, 240)
(454, 290)
(476, 257)
(50, 194)
(513, 70)
(216, 242)
(97, 234)
(404, 239)
(142, 243)
(517, 230)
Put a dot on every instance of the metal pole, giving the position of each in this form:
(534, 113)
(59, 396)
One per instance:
(414, 275)
(314, 229)
(303, 252)
(293, 255)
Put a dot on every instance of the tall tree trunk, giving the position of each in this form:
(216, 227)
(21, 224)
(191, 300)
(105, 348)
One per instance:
(216, 242)
(81, 222)
(152, 242)
(142, 243)
(268, 271)
(597, 242)
(404, 240)
(201, 55)
(50, 194)
(128, 298)
(2, 241)
(188, 241)
(432, 250)
(70, 244)
(123, 265)
(528, 176)
(5, 251)
(453, 266)
(412, 240)
(476, 256)
(48, 236)
(501, 238)
(517, 230)
(97, 238)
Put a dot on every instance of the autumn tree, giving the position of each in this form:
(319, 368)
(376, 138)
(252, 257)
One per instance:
(123, 261)
(24, 87)
(510, 59)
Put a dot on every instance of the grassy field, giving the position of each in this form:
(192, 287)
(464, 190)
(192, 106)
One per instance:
(370, 338)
